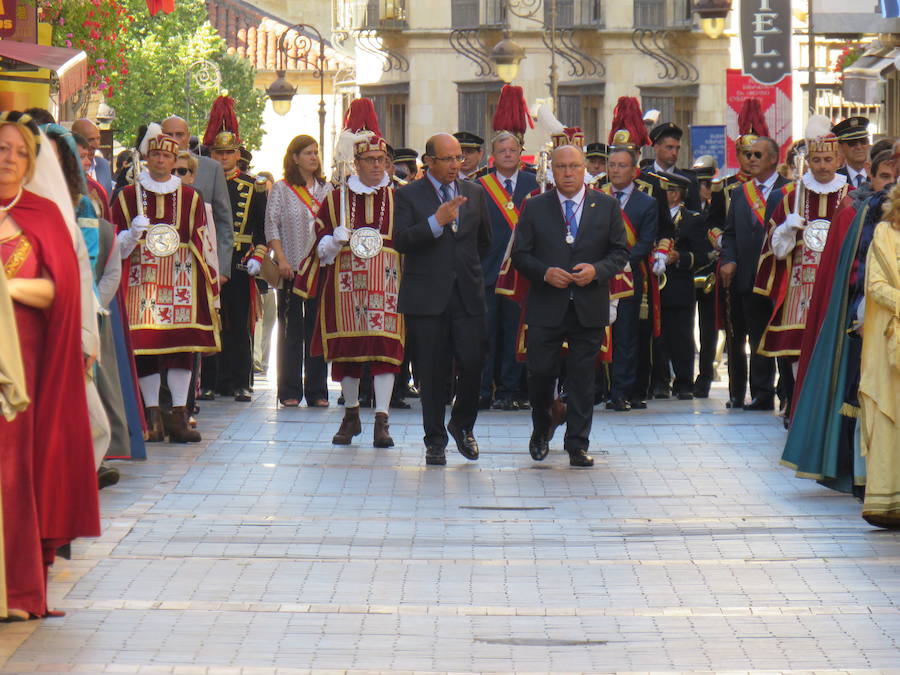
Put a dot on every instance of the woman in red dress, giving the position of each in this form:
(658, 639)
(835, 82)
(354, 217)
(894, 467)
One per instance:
(49, 486)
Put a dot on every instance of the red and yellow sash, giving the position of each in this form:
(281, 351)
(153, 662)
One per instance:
(501, 198)
(756, 202)
(306, 197)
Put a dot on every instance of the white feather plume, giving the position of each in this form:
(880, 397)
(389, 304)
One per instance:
(546, 122)
(817, 127)
(153, 130)
(347, 140)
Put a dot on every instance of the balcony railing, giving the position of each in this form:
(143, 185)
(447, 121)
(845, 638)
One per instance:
(352, 15)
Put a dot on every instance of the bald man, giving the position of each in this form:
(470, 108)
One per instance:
(443, 230)
(99, 169)
(210, 181)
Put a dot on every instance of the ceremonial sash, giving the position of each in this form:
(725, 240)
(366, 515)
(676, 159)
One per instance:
(306, 197)
(501, 198)
(756, 202)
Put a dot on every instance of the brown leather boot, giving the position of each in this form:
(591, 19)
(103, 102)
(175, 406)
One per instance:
(382, 437)
(350, 427)
(156, 433)
(179, 431)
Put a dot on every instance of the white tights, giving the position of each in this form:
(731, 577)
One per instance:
(179, 380)
(384, 387)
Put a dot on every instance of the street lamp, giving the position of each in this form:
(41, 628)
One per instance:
(281, 92)
(506, 55)
(712, 15)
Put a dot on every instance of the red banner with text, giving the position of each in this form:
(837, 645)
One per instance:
(776, 105)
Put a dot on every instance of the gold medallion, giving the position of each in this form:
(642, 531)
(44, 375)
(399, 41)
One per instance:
(366, 242)
(162, 240)
(510, 206)
(816, 234)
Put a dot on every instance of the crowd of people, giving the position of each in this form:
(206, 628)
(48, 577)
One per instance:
(555, 286)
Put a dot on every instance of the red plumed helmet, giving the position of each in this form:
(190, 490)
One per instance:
(512, 112)
(361, 115)
(627, 115)
(221, 118)
(751, 119)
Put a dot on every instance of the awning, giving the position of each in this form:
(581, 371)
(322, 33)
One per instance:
(862, 80)
(70, 65)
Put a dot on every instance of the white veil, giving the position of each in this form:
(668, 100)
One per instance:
(50, 183)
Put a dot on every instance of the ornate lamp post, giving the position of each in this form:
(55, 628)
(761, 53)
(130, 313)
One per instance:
(712, 15)
(507, 54)
(281, 92)
(203, 75)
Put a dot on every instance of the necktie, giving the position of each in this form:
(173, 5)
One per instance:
(445, 193)
(761, 187)
(509, 187)
(859, 179)
(619, 195)
(570, 217)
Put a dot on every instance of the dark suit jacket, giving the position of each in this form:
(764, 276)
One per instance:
(540, 243)
(743, 235)
(643, 213)
(690, 242)
(431, 265)
(500, 232)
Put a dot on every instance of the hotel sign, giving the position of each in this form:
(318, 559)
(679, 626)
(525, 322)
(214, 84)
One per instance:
(766, 39)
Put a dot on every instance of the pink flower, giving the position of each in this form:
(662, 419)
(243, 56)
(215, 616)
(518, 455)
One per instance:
(62, 21)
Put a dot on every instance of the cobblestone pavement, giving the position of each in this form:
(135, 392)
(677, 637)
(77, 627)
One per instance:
(265, 549)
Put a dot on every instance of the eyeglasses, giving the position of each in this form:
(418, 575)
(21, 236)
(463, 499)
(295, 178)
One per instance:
(459, 159)
(856, 141)
(753, 154)
(372, 161)
(182, 170)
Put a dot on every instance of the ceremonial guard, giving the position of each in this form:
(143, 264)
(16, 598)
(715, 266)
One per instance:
(666, 141)
(405, 165)
(677, 296)
(473, 152)
(169, 285)
(358, 323)
(853, 141)
(229, 372)
(798, 230)
(596, 155)
(507, 187)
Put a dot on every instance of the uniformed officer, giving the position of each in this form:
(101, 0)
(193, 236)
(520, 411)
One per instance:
(473, 151)
(854, 144)
(596, 155)
(406, 167)
(229, 371)
(666, 140)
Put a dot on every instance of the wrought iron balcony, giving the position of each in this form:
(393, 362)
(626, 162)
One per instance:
(575, 13)
(369, 15)
(469, 14)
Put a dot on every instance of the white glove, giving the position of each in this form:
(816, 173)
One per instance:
(253, 267)
(328, 248)
(139, 225)
(627, 267)
(860, 314)
(341, 234)
(784, 237)
(659, 263)
(719, 243)
(613, 311)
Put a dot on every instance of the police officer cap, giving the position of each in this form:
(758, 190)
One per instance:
(675, 181)
(665, 130)
(469, 140)
(851, 129)
(405, 155)
(596, 150)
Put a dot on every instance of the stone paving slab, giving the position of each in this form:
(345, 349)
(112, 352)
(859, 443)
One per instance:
(265, 549)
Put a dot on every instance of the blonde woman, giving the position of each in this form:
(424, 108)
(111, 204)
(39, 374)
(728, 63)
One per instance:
(879, 387)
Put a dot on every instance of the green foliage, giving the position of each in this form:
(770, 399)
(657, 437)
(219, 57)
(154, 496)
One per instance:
(161, 51)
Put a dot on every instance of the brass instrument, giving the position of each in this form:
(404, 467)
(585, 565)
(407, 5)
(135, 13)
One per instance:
(706, 283)
(663, 280)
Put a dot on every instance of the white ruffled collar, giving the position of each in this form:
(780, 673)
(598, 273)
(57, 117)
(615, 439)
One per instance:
(357, 186)
(836, 183)
(163, 188)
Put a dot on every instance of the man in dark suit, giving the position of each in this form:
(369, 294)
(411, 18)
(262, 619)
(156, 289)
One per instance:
(666, 139)
(631, 354)
(443, 230)
(569, 243)
(748, 313)
(506, 187)
(854, 143)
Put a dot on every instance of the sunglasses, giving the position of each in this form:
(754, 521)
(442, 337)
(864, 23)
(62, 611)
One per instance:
(749, 154)
(182, 170)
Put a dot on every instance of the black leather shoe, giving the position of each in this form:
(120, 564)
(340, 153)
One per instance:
(465, 441)
(618, 404)
(760, 404)
(207, 395)
(400, 404)
(499, 404)
(522, 404)
(662, 393)
(510, 404)
(484, 403)
(637, 404)
(242, 395)
(107, 476)
(580, 458)
(701, 390)
(435, 456)
(734, 404)
(685, 396)
(538, 446)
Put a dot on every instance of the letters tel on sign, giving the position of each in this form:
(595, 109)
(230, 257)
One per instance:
(8, 9)
(766, 39)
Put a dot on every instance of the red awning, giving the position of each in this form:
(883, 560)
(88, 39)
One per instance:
(70, 65)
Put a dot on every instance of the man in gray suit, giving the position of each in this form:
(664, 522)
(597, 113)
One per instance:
(99, 169)
(210, 181)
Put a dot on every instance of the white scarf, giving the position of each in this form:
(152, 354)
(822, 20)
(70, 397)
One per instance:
(360, 188)
(163, 188)
(836, 183)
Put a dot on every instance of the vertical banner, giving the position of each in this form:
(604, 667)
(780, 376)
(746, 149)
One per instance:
(776, 106)
(766, 39)
(8, 12)
(708, 140)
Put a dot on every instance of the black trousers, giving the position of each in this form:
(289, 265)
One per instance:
(676, 347)
(544, 360)
(749, 315)
(630, 352)
(296, 321)
(230, 369)
(440, 341)
(500, 367)
(709, 338)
